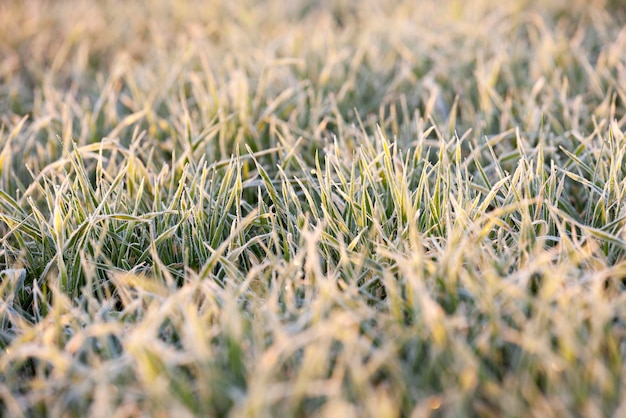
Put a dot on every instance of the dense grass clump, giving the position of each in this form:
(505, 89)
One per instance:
(312, 208)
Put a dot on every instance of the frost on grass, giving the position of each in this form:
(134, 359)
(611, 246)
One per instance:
(319, 209)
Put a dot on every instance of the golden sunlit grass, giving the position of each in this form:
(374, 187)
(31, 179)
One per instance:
(312, 208)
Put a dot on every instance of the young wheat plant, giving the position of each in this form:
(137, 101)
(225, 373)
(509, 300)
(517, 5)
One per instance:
(312, 208)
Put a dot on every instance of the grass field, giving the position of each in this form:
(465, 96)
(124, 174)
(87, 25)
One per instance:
(315, 208)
